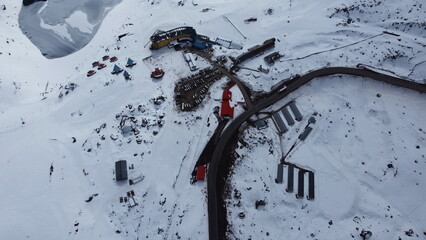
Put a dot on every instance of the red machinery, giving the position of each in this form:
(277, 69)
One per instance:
(157, 73)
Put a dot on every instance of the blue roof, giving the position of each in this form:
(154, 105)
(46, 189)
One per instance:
(126, 74)
(129, 61)
(116, 68)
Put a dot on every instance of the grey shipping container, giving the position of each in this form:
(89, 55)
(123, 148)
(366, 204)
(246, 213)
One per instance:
(301, 184)
(311, 194)
(121, 170)
(287, 116)
(295, 111)
(280, 173)
(305, 133)
(279, 123)
(290, 179)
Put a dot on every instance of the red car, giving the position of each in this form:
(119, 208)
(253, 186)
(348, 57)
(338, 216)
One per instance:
(106, 57)
(113, 59)
(91, 73)
(100, 66)
(95, 64)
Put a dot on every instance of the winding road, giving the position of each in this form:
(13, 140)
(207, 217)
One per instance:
(216, 208)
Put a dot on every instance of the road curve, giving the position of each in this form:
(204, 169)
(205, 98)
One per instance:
(215, 191)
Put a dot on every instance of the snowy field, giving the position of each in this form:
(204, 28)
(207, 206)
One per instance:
(369, 159)
(51, 114)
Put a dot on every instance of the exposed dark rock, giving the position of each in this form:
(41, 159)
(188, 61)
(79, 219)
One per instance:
(409, 233)
(365, 234)
(260, 203)
(29, 2)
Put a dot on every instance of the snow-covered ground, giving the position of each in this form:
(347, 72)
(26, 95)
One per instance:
(78, 133)
(368, 155)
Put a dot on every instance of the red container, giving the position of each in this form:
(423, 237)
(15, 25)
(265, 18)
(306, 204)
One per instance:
(201, 173)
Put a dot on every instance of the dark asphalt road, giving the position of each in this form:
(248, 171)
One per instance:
(215, 191)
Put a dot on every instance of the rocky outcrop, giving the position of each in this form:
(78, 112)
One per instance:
(29, 2)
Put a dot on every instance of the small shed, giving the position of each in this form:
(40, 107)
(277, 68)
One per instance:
(121, 170)
(261, 124)
(305, 133)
